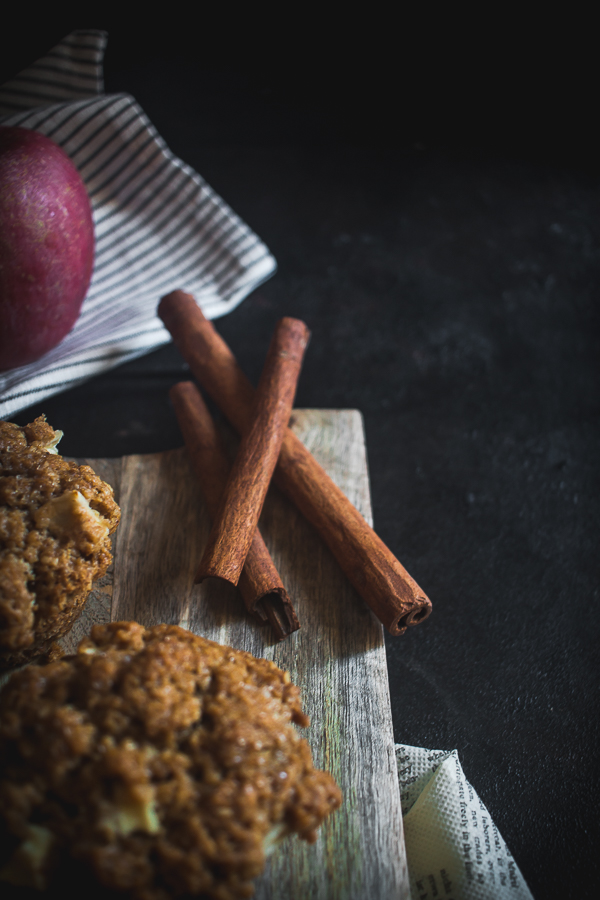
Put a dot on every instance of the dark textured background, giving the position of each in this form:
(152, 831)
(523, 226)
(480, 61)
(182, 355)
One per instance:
(430, 191)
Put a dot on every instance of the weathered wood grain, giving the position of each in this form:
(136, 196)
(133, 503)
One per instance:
(337, 658)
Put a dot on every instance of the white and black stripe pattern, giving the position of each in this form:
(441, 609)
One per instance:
(70, 71)
(158, 227)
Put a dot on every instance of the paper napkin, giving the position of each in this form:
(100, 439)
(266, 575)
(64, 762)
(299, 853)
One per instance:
(454, 850)
(158, 225)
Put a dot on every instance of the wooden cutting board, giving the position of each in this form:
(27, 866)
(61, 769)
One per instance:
(337, 658)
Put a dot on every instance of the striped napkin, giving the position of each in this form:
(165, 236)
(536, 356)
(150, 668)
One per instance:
(158, 225)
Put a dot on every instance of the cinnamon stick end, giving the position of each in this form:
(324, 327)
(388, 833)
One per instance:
(277, 607)
(203, 573)
(417, 613)
(172, 298)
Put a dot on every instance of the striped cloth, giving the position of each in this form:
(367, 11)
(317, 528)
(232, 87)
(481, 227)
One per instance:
(158, 225)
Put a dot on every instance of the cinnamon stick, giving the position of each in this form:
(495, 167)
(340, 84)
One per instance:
(242, 501)
(261, 587)
(376, 574)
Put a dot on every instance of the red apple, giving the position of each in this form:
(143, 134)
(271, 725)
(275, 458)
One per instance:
(46, 245)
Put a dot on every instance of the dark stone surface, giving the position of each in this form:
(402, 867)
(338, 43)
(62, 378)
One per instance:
(452, 292)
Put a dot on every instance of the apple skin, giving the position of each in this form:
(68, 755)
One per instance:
(46, 245)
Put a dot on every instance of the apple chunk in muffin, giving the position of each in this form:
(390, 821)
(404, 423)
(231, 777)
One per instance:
(159, 763)
(56, 518)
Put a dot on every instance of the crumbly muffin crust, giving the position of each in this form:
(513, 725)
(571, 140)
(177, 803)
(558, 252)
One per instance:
(162, 763)
(55, 523)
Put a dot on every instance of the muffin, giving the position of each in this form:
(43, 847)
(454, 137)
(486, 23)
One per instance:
(56, 518)
(155, 763)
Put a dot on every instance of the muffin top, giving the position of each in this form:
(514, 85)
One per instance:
(165, 764)
(55, 522)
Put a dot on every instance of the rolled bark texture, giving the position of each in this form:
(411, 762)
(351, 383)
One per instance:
(379, 578)
(260, 585)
